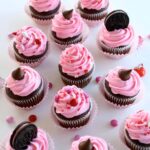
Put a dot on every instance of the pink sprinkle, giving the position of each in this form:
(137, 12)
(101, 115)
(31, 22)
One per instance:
(76, 137)
(98, 79)
(50, 85)
(114, 123)
(10, 119)
(140, 40)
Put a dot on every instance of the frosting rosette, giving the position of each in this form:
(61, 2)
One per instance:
(30, 41)
(39, 143)
(97, 143)
(117, 38)
(138, 126)
(67, 28)
(30, 82)
(94, 4)
(71, 101)
(130, 87)
(44, 5)
(76, 60)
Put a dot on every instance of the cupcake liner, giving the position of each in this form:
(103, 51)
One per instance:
(40, 21)
(92, 114)
(80, 39)
(113, 55)
(32, 100)
(26, 62)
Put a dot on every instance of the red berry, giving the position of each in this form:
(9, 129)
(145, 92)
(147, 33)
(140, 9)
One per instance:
(140, 70)
(73, 102)
(37, 41)
(32, 118)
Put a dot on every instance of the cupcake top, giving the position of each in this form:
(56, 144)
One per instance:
(71, 101)
(30, 41)
(76, 60)
(67, 24)
(89, 143)
(93, 4)
(44, 5)
(138, 126)
(23, 81)
(124, 81)
(36, 139)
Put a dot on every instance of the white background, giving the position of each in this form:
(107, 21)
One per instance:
(13, 17)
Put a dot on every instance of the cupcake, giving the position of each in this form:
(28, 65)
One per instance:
(93, 11)
(25, 87)
(27, 136)
(72, 107)
(29, 46)
(42, 11)
(122, 86)
(68, 28)
(117, 38)
(76, 65)
(137, 131)
(90, 143)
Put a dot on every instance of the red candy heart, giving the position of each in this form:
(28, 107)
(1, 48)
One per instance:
(73, 102)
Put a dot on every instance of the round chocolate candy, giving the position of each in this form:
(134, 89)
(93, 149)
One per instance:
(117, 19)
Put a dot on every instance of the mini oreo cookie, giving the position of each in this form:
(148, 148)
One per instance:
(117, 19)
(23, 134)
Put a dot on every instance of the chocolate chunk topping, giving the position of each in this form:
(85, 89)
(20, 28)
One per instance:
(117, 19)
(23, 134)
(124, 74)
(68, 14)
(86, 145)
(18, 74)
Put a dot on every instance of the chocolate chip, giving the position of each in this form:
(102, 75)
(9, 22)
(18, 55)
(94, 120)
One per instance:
(117, 19)
(124, 74)
(86, 145)
(23, 134)
(18, 74)
(68, 14)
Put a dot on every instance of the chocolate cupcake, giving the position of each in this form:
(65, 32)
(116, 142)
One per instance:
(72, 107)
(68, 28)
(76, 65)
(117, 37)
(122, 86)
(26, 136)
(93, 11)
(30, 46)
(25, 87)
(43, 11)
(137, 131)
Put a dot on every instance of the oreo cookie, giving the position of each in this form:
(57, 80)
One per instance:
(117, 19)
(23, 134)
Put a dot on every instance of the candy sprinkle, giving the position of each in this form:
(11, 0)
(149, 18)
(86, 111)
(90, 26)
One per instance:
(50, 85)
(76, 137)
(97, 79)
(32, 118)
(114, 123)
(10, 119)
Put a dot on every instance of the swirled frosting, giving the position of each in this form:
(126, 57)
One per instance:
(127, 88)
(27, 85)
(30, 41)
(65, 28)
(138, 127)
(44, 5)
(98, 143)
(39, 143)
(94, 4)
(63, 100)
(76, 60)
(121, 37)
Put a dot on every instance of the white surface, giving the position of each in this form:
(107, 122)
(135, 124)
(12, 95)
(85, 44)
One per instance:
(13, 17)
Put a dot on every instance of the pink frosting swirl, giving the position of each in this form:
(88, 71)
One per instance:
(94, 4)
(30, 41)
(44, 5)
(98, 143)
(27, 85)
(63, 100)
(76, 60)
(121, 37)
(65, 28)
(138, 126)
(129, 87)
(39, 143)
